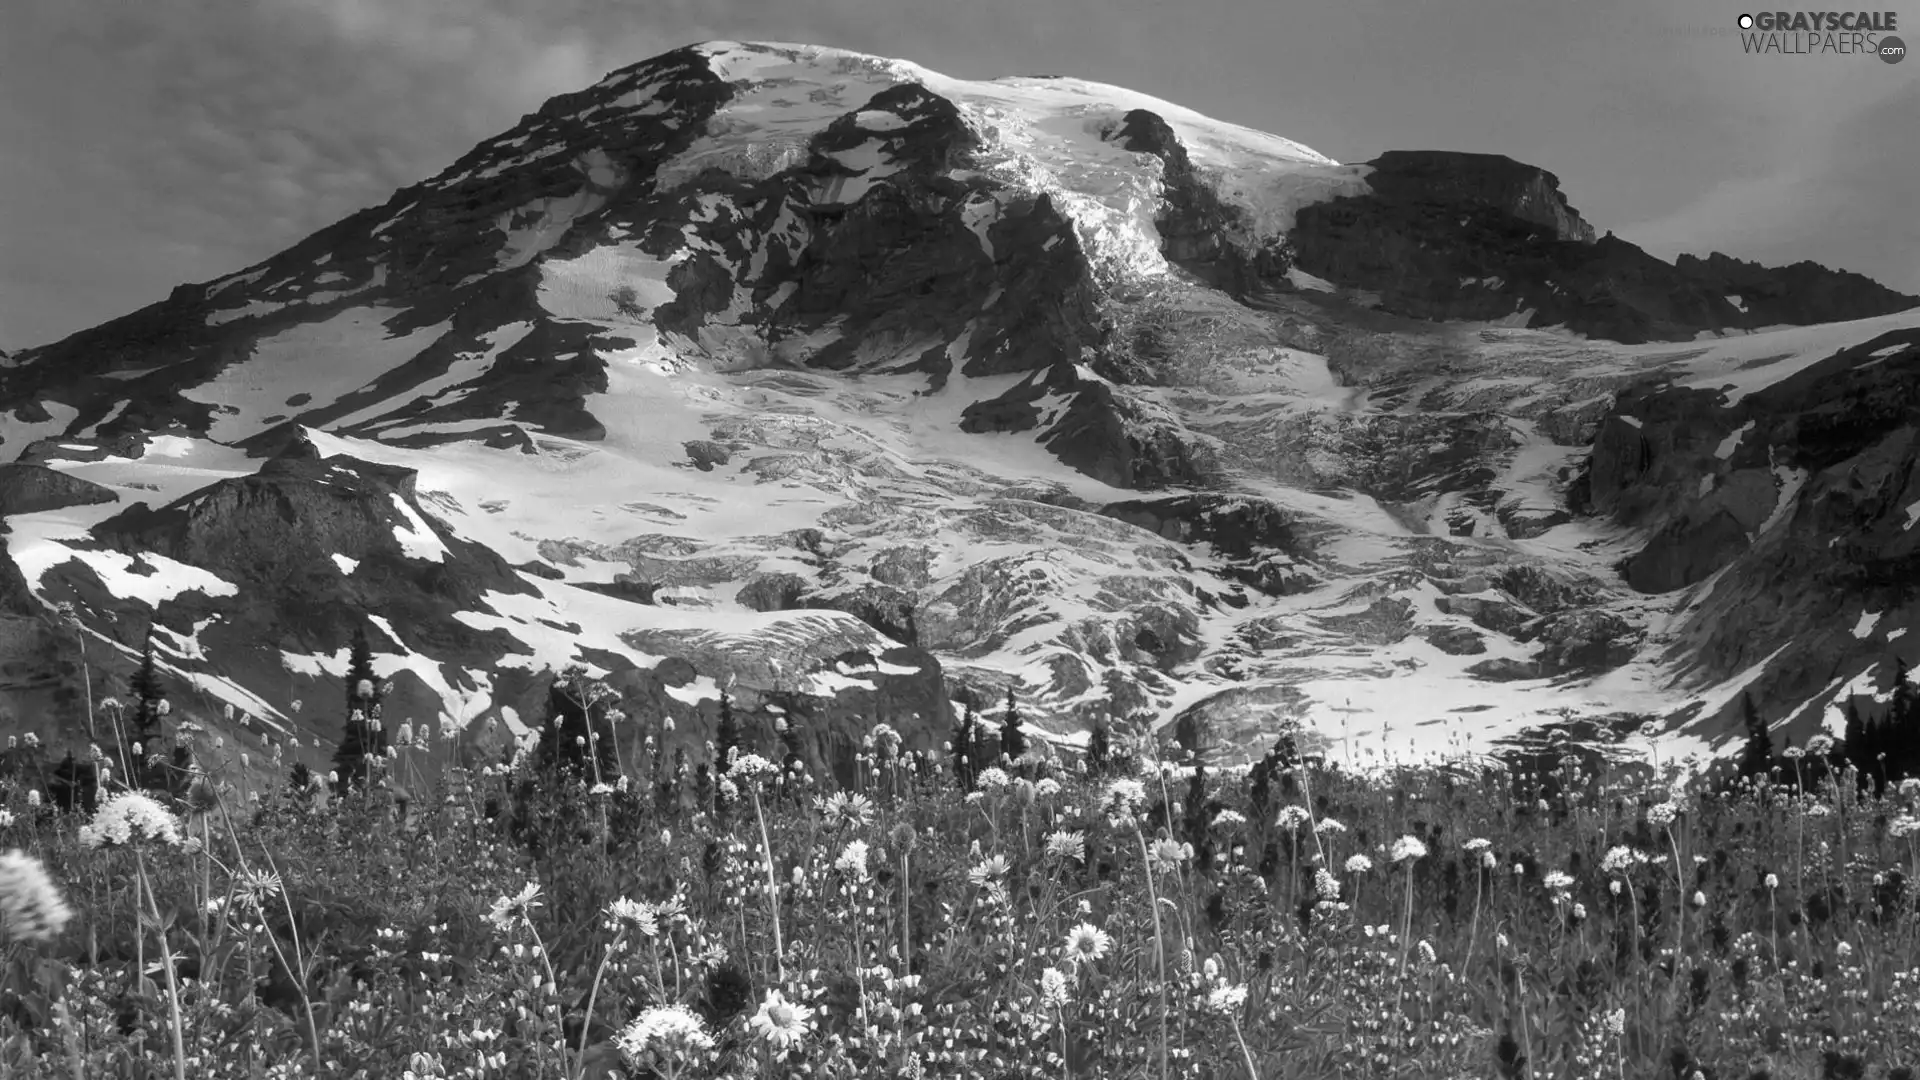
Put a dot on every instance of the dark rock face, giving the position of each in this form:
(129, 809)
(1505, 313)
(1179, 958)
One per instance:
(1197, 229)
(1456, 640)
(1480, 181)
(1482, 237)
(1264, 549)
(1237, 526)
(1797, 494)
(1497, 616)
(275, 535)
(1804, 292)
(30, 489)
(883, 607)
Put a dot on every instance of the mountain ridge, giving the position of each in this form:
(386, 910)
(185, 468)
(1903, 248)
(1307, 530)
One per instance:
(835, 380)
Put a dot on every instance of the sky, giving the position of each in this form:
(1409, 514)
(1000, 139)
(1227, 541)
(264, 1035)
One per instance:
(146, 143)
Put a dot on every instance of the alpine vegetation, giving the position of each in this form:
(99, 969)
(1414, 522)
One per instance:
(562, 915)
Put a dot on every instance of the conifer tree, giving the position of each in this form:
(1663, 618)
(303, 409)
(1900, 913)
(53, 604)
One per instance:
(363, 740)
(727, 739)
(1013, 738)
(1856, 744)
(1099, 747)
(1756, 757)
(963, 738)
(1902, 737)
(148, 692)
(150, 705)
(577, 737)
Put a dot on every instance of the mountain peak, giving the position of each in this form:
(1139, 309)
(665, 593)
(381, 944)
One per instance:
(873, 388)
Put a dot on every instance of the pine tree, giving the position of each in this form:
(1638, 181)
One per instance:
(963, 748)
(1902, 742)
(1260, 782)
(1756, 757)
(577, 736)
(363, 740)
(359, 670)
(1099, 747)
(727, 739)
(1856, 742)
(149, 694)
(1013, 738)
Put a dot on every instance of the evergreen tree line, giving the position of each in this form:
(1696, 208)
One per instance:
(1882, 750)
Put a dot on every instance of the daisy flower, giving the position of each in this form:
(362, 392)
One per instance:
(258, 886)
(1068, 845)
(992, 868)
(846, 810)
(780, 1022)
(1166, 855)
(1087, 942)
(508, 911)
(625, 914)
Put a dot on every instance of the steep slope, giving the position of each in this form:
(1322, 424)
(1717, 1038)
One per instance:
(859, 389)
(1477, 236)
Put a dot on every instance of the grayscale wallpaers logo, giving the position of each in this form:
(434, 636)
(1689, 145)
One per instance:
(1813, 33)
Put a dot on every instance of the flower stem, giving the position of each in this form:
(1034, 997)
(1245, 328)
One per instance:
(773, 884)
(166, 961)
(1159, 943)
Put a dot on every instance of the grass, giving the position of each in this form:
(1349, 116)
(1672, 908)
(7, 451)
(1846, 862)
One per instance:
(1495, 925)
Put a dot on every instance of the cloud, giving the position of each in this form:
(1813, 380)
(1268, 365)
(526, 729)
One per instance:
(1838, 190)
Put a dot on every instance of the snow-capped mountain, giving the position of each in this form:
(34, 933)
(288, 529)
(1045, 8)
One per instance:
(860, 389)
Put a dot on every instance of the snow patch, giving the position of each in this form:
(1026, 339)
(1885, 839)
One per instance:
(346, 565)
(417, 538)
(1732, 442)
(325, 360)
(1864, 627)
(1307, 282)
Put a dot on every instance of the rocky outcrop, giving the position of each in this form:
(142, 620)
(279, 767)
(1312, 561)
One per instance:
(1264, 549)
(1200, 232)
(1797, 294)
(1799, 497)
(1481, 237)
(1479, 181)
(31, 488)
(278, 536)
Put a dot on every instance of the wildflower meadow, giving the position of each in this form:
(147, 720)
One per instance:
(959, 912)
